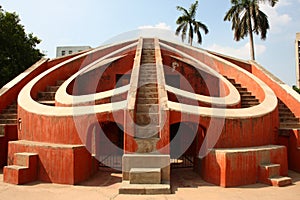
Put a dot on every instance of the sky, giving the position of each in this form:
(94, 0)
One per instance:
(94, 22)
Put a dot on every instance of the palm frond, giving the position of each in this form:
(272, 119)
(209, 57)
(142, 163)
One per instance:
(193, 9)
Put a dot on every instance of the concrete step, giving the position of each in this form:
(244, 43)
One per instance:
(147, 100)
(289, 120)
(146, 145)
(46, 95)
(12, 106)
(147, 108)
(286, 114)
(147, 95)
(270, 170)
(9, 116)
(146, 88)
(280, 181)
(236, 84)
(59, 82)
(52, 88)
(148, 72)
(289, 125)
(25, 159)
(147, 81)
(147, 118)
(145, 176)
(144, 189)
(149, 131)
(248, 97)
(24, 169)
(249, 100)
(9, 110)
(245, 93)
(8, 121)
(241, 89)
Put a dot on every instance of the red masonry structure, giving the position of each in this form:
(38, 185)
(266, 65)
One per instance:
(151, 105)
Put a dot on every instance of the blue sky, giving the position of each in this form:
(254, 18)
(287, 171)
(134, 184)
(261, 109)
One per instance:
(92, 22)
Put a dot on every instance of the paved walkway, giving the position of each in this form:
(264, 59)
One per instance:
(185, 185)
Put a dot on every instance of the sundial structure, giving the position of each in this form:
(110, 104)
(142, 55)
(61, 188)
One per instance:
(146, 106)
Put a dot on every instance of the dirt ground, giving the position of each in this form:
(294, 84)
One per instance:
(185, 185)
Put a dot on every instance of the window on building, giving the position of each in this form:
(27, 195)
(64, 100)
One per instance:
(70, 52)
(63, 53)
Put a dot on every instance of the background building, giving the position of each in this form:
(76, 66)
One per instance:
(68, 50)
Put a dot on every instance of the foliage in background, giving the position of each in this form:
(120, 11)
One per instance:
(17, 49)
(187, 22)
(296, 89)
(247, 18)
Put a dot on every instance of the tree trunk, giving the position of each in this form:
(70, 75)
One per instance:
(251, 36)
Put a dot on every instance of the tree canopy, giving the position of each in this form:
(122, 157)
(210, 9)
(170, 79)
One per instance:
(17, 50)
(187, 22)
(247, 18)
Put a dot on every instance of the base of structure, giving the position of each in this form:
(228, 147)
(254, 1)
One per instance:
(127, 188)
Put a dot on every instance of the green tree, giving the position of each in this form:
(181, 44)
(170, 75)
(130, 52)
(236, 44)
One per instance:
(17, 50)
(187, 22)
(296, 89)
(247, 18)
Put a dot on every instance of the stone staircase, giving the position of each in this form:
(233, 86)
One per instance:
(270, 174)
(9, 115)
(147, 106)
(23, 170)
(247, 99)
(146, 171)
(287, 119)
(47, 97)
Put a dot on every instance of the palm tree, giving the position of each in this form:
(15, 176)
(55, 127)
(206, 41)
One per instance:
(247, 18)
(187, 21)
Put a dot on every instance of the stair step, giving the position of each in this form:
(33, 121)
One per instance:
(289, 120)
(272, 170)
(147, 118)
(144, 189)
(289, 126)
(145, 176)
(24, 169)
(145, 89)
(59, 82)
(52, 88)
(8, 121)
(241, 89)
(146, 145)
(9, 111)
(147, 108)
(46, 95)
(9, 116)
(149, 131)
(148, 95)
(147, 100)
(280, 181)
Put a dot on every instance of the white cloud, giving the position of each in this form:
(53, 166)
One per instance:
(160, 25)
(277, 21)
(242, 52)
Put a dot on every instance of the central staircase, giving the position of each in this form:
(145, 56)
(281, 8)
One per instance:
(147, 107)
(146, 171)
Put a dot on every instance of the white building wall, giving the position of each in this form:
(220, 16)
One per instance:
(68, 50)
